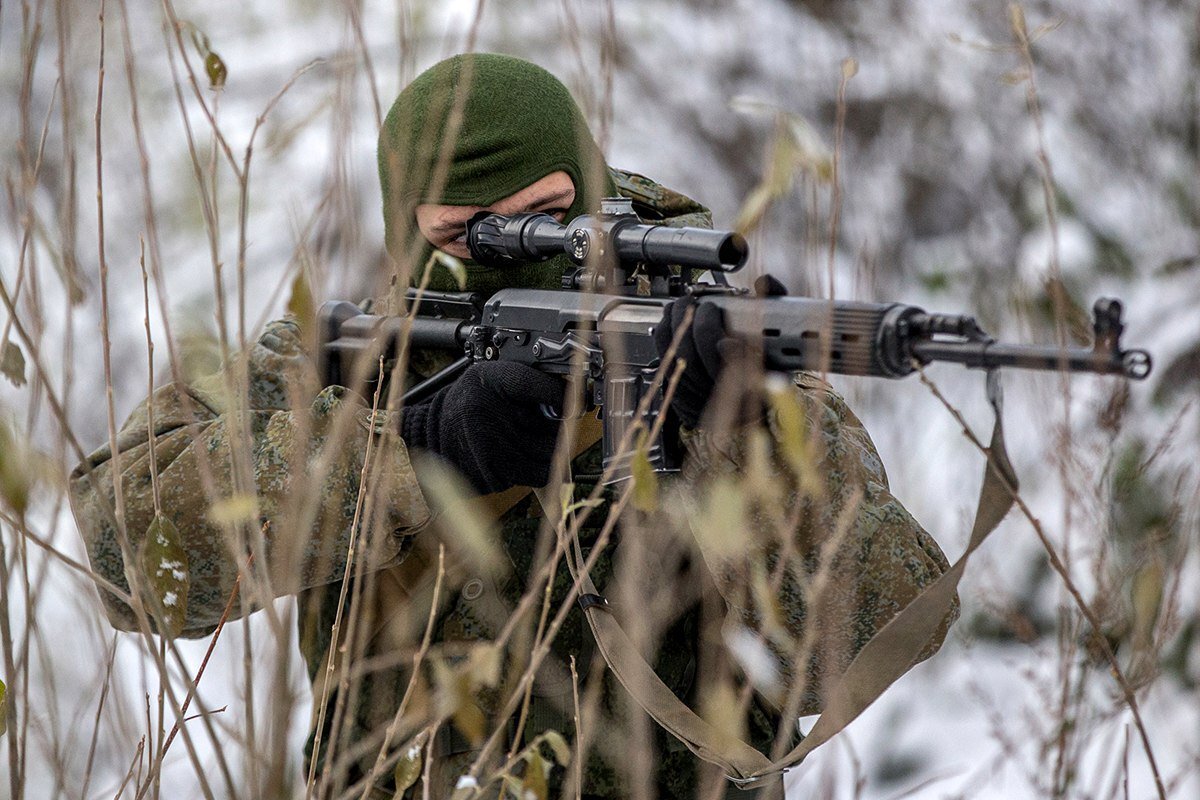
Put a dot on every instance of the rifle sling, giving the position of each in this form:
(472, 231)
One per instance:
(881, 661)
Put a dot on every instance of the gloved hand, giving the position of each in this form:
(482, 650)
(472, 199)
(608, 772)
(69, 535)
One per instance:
(699, 347)
(489, 424)
(707, 350)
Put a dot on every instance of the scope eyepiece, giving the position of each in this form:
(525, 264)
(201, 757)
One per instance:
(499, 241)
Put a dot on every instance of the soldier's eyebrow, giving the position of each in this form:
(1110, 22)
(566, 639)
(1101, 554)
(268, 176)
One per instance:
(452, 226)
(553, 197)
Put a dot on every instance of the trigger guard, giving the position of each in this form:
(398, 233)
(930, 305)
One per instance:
(550, 412)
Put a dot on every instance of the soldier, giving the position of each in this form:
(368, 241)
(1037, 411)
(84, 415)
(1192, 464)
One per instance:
(483, 132)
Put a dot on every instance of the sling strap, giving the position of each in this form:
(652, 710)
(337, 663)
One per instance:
(880, 662)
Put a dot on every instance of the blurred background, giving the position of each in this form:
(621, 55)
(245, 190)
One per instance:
(922, 152)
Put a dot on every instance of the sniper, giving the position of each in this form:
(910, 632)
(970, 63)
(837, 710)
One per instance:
(439, 596)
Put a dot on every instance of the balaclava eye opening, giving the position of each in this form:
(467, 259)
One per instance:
(472, 130)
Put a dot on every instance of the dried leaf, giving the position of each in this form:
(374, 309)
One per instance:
(1146, 598)
(200, 40)
(301, 304)
(454, 266)
(767, 607)
(235, 509)
(165, 564)
(533, 782)
(645, 480)
(470, 721)
(16, 472)
(849, 68)
(791, 429)
(760, 474)
(455, 701)
(3, 708)
(484, 665)
(720, 520)
(721, 709)
(753, 210)
(794, 147)
(808, 150)
(408, 770)
(214, 67)
(199, 350)
(513, 787)
(753, 106)
(12, 364)
(559, 746)
(1045, 28)
(1016, 19)
(568, 503)
(474, 532)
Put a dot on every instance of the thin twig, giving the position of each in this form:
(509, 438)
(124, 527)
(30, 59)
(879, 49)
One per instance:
(104, 687)
(193, 685)
(1058, 566)
(335, 632)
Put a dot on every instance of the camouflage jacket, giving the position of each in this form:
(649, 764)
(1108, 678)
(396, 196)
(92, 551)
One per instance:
(302, 469)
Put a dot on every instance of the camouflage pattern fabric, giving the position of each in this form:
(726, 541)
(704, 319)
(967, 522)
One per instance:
(305, 543)
(873, 555)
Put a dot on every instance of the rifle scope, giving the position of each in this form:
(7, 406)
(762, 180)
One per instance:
(616, 232)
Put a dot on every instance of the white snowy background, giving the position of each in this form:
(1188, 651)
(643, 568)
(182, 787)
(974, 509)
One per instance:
(941, 206)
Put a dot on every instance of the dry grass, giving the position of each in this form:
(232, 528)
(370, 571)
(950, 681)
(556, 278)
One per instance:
(134, 715)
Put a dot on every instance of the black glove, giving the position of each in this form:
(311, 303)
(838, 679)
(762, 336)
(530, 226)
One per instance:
(699, 348)
(707, 350)
(490, 425)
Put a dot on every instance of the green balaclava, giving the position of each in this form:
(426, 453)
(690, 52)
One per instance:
(474, 129)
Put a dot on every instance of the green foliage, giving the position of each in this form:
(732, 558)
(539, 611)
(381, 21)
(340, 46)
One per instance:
(165, 564)
(214, 66)
(1143, 513)
(407, 771)
(935, 281)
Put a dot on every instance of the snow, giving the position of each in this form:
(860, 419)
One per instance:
(940, 177)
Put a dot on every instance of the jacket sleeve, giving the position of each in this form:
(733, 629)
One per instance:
(856, 555)
(306, 462)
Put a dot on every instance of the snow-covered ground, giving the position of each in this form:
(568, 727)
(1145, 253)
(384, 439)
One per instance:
(942, 206)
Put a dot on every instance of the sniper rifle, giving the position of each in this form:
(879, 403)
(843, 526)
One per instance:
(600, 326)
